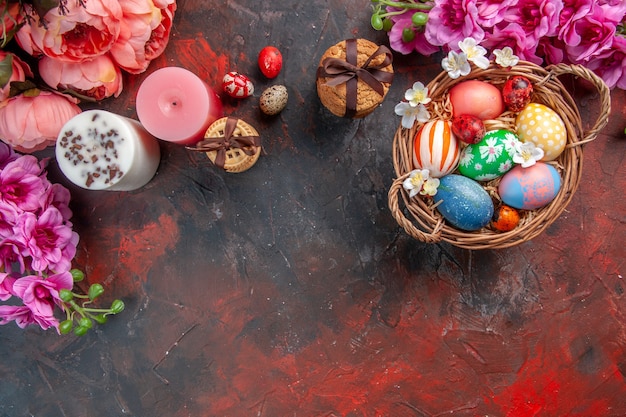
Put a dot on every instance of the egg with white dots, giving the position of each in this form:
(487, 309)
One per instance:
(541, 125)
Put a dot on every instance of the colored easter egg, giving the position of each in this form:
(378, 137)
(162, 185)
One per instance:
(544, 127)
(490, 158)
(505, 218)
(436, 148)
(530, 188)
(463, 202)
(237, 85)
(477, 98)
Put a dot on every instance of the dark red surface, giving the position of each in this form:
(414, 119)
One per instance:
(289, 290)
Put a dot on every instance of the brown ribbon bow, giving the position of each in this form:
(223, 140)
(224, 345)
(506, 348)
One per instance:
(222, 143)
(346, 71)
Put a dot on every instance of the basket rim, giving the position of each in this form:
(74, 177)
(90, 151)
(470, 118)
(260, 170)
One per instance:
(427, 225)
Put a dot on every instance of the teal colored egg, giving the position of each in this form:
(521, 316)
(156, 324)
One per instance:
(464, 203)
(490, 158)
(530, 188)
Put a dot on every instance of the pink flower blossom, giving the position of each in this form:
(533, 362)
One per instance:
(87, 29)
(451, 21)
(32, 123)
(7, 154)
(47, 240)
(21, 185)
(144, 34)
(590, 34)
(513, 36)
(537, 18)
(6, 286)
(491, 12)
(418, 44)
(11, 258)
(98, 77)
(41, 294)
(22, 315)
(21, 70)
(610, 64)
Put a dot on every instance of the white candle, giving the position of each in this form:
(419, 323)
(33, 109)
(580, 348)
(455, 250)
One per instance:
(99, 150)
(175, 105)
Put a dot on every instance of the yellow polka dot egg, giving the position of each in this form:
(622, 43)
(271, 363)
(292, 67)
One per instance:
(544, 127)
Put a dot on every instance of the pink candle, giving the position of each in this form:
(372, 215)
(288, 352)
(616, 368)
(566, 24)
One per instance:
(99, 150)
(175, 105)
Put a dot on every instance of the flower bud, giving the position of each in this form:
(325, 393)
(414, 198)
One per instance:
(117, 306)
(65, 295)
(95, 290)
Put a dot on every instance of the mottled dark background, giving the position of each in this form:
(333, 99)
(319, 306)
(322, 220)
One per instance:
(289, 290)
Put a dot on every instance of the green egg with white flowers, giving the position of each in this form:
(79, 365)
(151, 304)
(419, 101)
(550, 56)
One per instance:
(490, 158)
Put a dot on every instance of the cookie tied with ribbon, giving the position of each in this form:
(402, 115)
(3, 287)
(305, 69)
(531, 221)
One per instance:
(231, 144)
(354, 77)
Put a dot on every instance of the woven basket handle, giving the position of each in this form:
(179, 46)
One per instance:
(605, 96)
(395, 189)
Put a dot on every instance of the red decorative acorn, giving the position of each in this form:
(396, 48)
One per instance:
(237, 85)
(516, 93)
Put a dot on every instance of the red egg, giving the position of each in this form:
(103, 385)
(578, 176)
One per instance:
(270, 61)
(517, 92)
(467, 128)
(476, 98)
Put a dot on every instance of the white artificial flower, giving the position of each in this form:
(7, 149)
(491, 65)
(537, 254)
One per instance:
(456, 65)
(474, 52)
(410, 114)
(430, 186)
(413, 184)
(417, 95)
(527, 154)
(505, 57)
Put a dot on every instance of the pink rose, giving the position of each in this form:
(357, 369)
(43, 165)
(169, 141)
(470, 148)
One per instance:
(144, 34)
(83, 32)
(98, 78)
(161, 34)
(32, 123)
(19, 72)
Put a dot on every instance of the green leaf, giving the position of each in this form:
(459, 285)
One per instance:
(6, 70)
(28, 88)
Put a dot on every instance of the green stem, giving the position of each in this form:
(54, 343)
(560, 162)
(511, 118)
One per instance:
(411, 5)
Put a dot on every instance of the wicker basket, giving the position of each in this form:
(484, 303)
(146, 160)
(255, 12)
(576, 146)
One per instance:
(421, 220)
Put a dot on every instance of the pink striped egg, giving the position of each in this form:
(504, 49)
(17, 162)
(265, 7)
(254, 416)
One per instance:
(436, 148)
